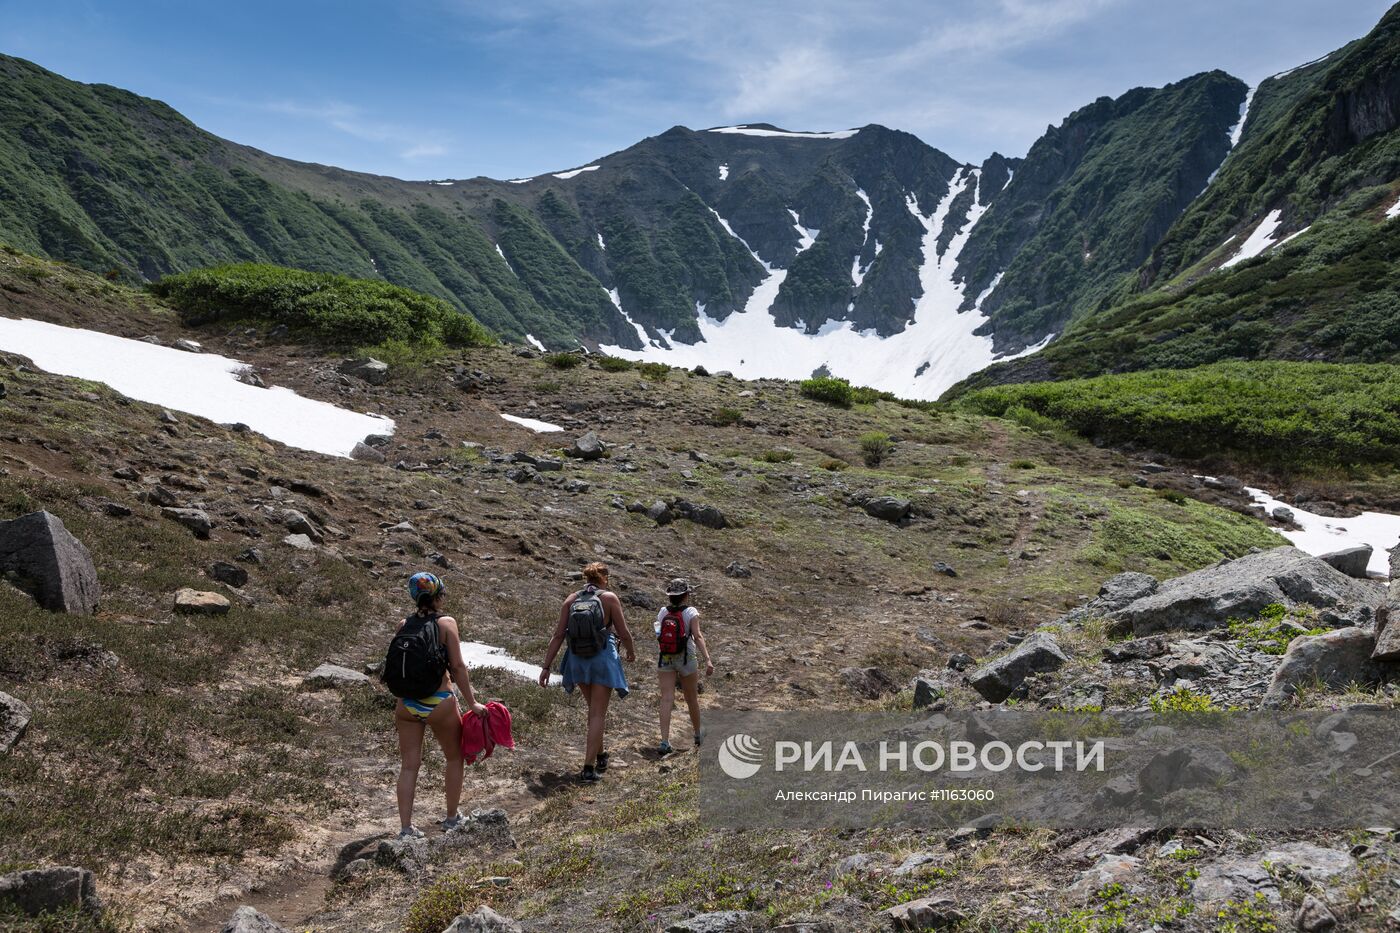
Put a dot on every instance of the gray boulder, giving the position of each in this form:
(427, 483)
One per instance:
(300, 542)
(409, 856)
(1233, 879)
(1108, 869)
(587, 447)
(368, 454)
(196, 520)
(1307, 862)
(298, 524)
(869, 682)
(660, 513)
(737, 570)
(39, 556)
(250, 920)
(1334, 659)
(927, 913)
(888, 508)
(229, 574)
(14, 721)
(1351, 561)
(483, 920)
(720, 921)
(1185, 767)
(47, 890)
(194, 602)
(333, 675)
(375, 372)
(928, 691)
(707, 515)
(1039, 653)
(1314, 916)
(1241, 589)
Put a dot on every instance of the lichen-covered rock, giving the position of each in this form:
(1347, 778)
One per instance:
(195, 602)
(996, 680)
(42, 558)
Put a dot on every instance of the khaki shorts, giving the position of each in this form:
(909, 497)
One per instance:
(683, 663)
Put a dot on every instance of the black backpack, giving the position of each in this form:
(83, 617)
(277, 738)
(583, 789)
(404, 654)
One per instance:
(416, 661)
(587, 624)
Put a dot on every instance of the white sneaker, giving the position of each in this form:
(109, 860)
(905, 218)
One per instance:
(410, 832)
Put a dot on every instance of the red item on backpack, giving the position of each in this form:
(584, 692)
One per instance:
(673, 634)
(480, 736)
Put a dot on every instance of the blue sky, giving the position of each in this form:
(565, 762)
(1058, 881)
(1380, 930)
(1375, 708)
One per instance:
(456, 88)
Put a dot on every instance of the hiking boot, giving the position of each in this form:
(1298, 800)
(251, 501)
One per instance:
(410, 832)
(452, 822)
(590, 775)
(602, 762)
(700, 738)
(664, 749)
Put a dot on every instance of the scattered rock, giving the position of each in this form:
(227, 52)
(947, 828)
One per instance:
(927, 913)
(298, 524)
(927, 692)
(48, 890)
(409, 856)
(250, 920)
(250, 556)
(333, 675)
(587, 447)
(375, 372)
(707, 515)
(1334, 659)
(39, 556)
(660, 513)
(196, 520)
(720, 921)
(1186, 767)
(193, 602)
(127, 474)
(1351, 561)
(524, 473)
(14, 721)
(1241, 589)
(1284, 514)
(368, 454)
(944, 569)
(483, 920)
(116, 509)
(300, 542)
(1314, 916)
(189, 346)
(915, 861)
(1108, 869)
(1119, 841)
(961, 661)
(1233, 879)
(869, 682)
(1138, 649)
(221, 571)
(997, 680)
(1307, 862)
(888, 508)
(738, 570)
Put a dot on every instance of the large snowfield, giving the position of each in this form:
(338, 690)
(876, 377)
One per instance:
(937, 349)
(201, 384)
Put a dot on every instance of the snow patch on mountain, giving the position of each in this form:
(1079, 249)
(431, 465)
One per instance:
(1394, 210)
(723, 172)
(743, 130)
(858, 273)
(806, 236)
(500, 252)
(201, 384)
(531, 339)
(519, 181)
(1260, 240)
(534, 424)
(576, 171)
(937, 349)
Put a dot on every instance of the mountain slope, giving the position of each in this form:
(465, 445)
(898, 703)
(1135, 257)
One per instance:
(1292, 251)
(1093, 198)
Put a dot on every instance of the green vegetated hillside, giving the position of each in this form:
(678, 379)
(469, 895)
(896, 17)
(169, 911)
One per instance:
(1320, 147)
(1092, 198)
(1292, 416)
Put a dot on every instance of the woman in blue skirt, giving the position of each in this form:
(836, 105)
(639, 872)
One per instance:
(591, 622)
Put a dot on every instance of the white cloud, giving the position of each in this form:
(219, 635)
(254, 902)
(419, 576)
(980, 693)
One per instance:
(423, 151)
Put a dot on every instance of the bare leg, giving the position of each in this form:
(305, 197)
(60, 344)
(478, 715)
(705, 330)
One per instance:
(446, 722)
(666, 680)
(598, 697)
(690, 686)
(410, 729)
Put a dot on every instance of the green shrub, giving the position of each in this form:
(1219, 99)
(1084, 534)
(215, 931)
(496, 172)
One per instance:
(657, 372)
(614, 364)
(332, 309)
(726, 417)
(834, 465)
(777, 455)
(1183, 700)
(830, 390)
(1171, 495)
(1297, 416)
(1023, 464)
(563, 360)
(874, 447)
(1266, 633)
